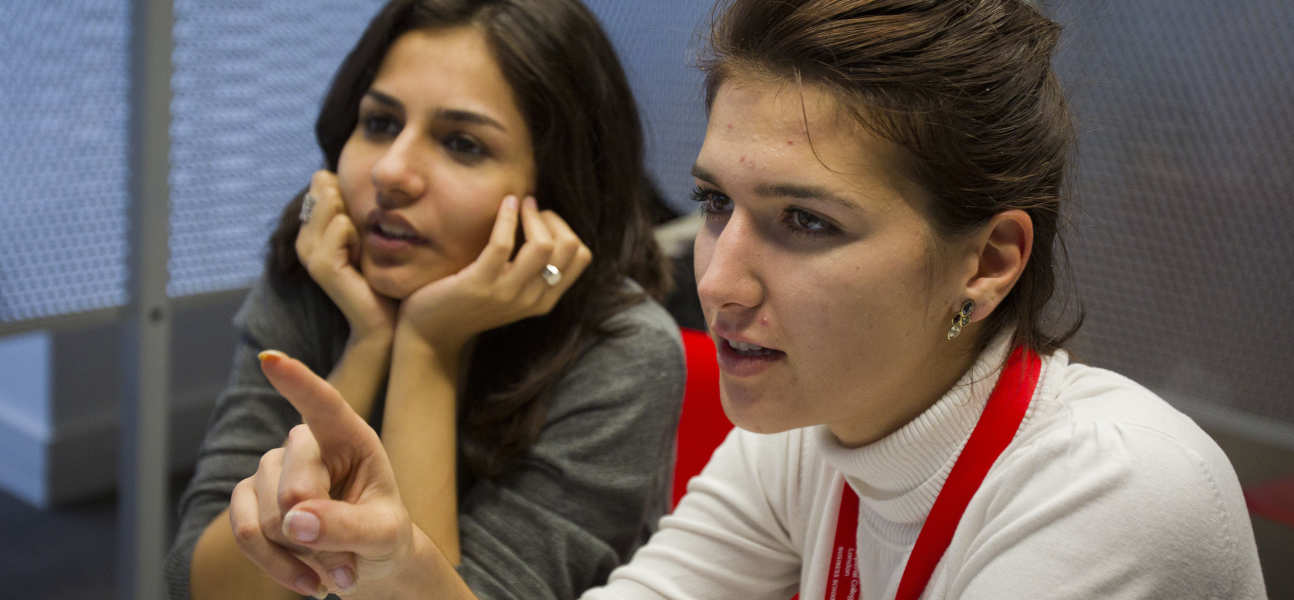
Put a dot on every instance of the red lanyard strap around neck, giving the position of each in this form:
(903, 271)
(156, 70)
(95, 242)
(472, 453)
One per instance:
(996, 427)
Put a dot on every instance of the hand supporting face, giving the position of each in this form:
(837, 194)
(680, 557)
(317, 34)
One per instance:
(328, 247)
(322, 513)
(494, 291)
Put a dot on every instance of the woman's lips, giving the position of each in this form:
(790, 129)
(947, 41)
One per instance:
(391, 234)
(741, 359)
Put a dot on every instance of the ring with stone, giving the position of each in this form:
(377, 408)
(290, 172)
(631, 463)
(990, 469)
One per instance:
(307, 207)
(551, 274)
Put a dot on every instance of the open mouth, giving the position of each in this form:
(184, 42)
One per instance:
(744, 359)
(396, 233)
(744, 350)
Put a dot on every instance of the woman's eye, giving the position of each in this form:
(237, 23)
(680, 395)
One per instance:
(711, 202)
(804, 222)
(464, 145)
(380, 126)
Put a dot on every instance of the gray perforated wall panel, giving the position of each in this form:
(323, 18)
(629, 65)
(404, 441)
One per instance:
(63, 152)
(1186, 194)
(248, 80)
(658, 42)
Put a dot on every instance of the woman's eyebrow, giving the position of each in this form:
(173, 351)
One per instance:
(704, 175)
(803, 192)
(457, 115)
(384, 99)
(784, 190)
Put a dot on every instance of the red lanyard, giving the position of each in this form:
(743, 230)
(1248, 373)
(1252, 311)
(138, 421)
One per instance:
(997, 425)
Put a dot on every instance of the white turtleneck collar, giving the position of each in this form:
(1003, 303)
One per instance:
(899, 475)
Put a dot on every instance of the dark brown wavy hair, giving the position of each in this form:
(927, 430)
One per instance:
(965, 86)
(588, 146)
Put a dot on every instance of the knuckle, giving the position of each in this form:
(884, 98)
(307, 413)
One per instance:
(299, 433)
(267, 460)
(502, 295)
(321, 178)
(386, 528)
(289, 495)
(546, 306)
(242, 488)
(266, 529)
(246, 532)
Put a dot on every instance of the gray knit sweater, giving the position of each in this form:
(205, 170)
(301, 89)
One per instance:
(575, 506)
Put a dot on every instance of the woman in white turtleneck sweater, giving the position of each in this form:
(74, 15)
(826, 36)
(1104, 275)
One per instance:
(1104, 492)
(882, 186)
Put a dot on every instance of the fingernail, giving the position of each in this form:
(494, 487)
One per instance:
(343, 577)
(271, 356)
(301, 526)
(510, 202)
(306, 585)
(531, 203)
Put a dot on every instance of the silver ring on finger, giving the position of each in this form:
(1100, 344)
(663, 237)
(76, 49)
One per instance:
(551, 274)
(307, 207)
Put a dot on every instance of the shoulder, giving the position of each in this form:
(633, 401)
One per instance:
(298, 319)
(640, 362)
(1106, 423)
(1089, 406)
(271, 308)
(642, 335)
(1106, 463)
(645, 322)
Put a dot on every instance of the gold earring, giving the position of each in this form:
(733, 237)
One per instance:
(961, 319)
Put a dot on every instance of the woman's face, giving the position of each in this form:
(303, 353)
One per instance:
(820, 279)
(439, 142)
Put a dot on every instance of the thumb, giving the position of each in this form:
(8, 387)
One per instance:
(333, 422)
(376, 527)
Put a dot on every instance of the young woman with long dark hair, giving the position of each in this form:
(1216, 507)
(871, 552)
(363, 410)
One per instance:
(474, 272)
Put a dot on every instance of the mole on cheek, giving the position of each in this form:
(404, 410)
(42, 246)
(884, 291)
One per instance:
(790, 142)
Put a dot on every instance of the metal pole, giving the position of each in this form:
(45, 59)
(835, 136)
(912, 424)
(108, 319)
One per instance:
(142, 487)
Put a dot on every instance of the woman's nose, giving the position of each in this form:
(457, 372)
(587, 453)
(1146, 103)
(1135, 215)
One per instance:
(397, 174)
(727, 265)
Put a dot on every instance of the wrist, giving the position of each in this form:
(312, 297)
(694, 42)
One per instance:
(445, 348)
(372, 342)
(425, 573)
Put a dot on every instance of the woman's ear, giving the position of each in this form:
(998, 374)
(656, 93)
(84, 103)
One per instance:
(1002, 250)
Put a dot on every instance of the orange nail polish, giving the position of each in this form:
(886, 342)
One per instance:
(270, 356)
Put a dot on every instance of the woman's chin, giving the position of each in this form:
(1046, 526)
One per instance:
(391, 287)
(399, 281)
(753, 416)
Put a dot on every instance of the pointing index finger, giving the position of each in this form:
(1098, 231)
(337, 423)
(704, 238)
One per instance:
(332, 421)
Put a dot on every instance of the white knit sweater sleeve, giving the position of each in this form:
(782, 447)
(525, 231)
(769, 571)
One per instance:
(729, 537)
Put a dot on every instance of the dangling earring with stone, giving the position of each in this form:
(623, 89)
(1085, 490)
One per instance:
(961, 319)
